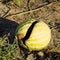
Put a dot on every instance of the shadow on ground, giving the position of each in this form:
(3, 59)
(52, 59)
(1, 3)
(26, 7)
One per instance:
(7, 26)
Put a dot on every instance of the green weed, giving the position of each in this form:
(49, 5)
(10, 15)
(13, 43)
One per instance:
(8, 51)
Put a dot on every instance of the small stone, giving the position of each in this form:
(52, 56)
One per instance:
(30, 57)
(41, 54)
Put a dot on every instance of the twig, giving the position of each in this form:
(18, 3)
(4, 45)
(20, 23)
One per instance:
(7, 11)
(25, 12)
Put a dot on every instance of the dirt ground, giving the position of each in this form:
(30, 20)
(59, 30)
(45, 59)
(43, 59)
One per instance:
(12, 14)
